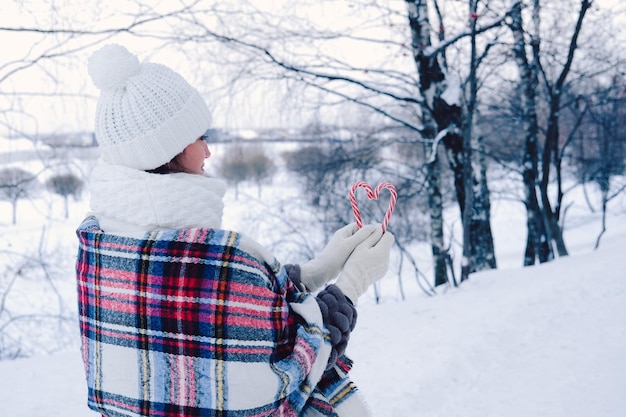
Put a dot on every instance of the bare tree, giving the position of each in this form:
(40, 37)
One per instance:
(65, 185)
(599, 143)
(262, 168)
(327, 172)
(246, 164)
(42, 323)
(430, 74)
(452, 124)
(545, 234)
(537, 244)
(15, 184)
(551, 154)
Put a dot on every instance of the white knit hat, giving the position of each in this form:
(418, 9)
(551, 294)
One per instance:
(147, 113)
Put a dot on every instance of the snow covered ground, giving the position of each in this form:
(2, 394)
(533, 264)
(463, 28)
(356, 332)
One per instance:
(542, 341)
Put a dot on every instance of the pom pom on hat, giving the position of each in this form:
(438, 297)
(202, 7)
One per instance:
(147, 113)
(111, 66)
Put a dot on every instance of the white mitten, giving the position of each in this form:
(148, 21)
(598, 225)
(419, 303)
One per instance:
(327, 265)
(368, 263)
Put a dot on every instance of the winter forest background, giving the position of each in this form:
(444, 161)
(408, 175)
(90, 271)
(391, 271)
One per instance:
(476, 110)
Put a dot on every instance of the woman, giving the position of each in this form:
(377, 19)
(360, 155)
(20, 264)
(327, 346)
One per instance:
(180, 317)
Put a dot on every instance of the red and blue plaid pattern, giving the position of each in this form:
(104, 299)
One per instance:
(188, 323)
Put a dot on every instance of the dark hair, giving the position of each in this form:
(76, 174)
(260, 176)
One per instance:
(170, 167)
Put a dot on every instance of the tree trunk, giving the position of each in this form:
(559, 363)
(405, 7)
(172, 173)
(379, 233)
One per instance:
(478, 239)
(551, 146)
(483, 250)
(435, 206)
(469, 213)
(538, 245)
(550, 152)
(429, 74)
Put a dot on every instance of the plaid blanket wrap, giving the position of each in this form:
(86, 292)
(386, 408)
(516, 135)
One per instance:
(187, 323)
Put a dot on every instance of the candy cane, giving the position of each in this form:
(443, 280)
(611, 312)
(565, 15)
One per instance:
(373, 195)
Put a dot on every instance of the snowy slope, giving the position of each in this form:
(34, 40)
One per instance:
(542, 341)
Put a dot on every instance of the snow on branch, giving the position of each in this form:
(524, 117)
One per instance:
(433, 153)
(451, 129)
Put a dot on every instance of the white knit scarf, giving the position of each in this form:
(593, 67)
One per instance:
(145, 201)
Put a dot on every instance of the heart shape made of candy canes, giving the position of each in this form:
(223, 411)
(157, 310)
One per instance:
(373, 195)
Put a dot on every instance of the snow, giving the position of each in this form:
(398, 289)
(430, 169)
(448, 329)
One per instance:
(453, 94)
(19, 150)
(541, 341)
(548, 340)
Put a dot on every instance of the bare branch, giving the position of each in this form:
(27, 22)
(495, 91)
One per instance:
(443, 45)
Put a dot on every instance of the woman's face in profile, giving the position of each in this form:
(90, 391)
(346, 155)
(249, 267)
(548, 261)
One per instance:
(191, 159)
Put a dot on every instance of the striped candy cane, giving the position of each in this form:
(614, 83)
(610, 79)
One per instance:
(373, 195)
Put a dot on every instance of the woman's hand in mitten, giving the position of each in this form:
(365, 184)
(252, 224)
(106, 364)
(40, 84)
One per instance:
(368, 263)
(327, 265)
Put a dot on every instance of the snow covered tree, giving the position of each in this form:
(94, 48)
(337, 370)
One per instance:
(446, 120)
